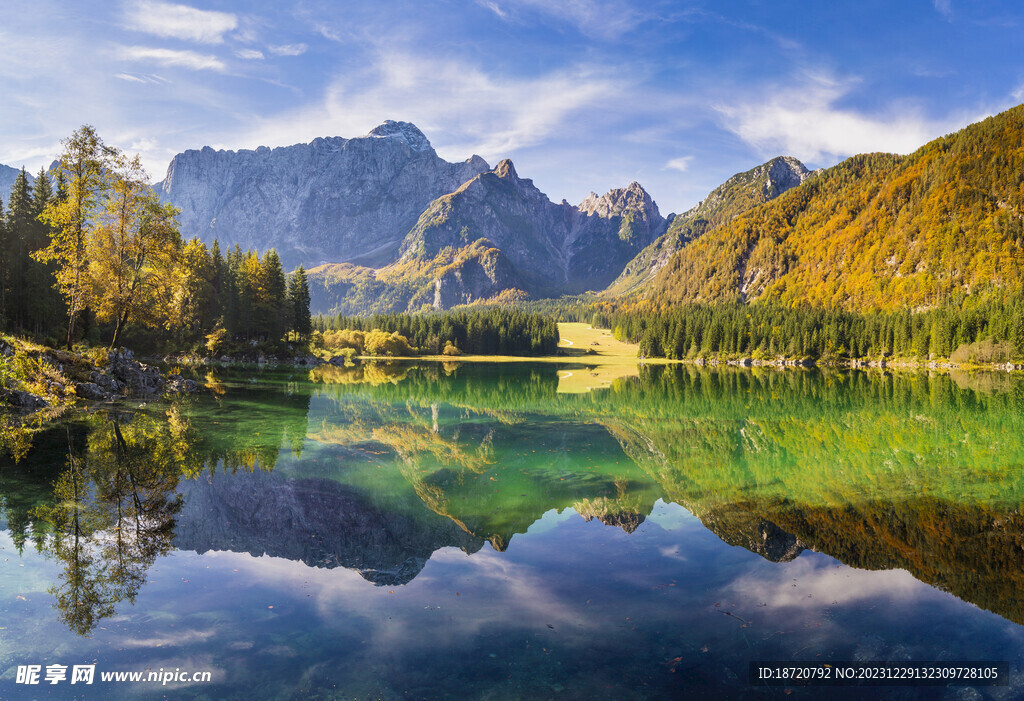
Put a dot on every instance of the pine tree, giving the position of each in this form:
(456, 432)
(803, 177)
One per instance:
(275, 312)
(298, 300)
(4, 246)
(42, 302)
(20, 222)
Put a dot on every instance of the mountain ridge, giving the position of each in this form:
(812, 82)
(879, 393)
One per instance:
(876, 231)
(740, 193)
(333, 199)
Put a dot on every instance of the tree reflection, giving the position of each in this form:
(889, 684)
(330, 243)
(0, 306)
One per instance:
(113, 514)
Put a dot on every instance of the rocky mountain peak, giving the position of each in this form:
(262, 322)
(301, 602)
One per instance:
(617, 201)
(404, 131)
(784, 173)
(331, 200)
(477, 163)
(505, 169)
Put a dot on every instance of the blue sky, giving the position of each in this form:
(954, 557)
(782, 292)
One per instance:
(582, 94)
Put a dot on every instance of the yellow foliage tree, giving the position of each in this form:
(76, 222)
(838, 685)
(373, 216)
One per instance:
(133, 249)
(83, 172)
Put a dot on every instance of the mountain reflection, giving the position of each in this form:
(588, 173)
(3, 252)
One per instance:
(375, 468)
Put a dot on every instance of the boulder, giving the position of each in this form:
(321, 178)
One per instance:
(28, 401)
(90, 390)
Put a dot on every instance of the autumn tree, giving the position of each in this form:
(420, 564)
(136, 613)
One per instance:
(193, 301)
(83, 177)
(133, 248)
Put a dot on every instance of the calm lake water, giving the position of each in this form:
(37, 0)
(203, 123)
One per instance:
(466, 532)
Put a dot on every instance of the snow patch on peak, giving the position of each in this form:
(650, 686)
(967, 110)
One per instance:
(404, 131)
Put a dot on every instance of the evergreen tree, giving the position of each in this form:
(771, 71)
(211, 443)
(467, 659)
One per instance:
(298, 300)
(42, 302)
(275, 314)
(15, 256)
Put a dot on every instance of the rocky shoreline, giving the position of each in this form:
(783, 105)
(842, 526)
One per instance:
(55, 379)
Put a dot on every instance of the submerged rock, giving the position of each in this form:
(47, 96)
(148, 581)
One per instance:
(176, 384)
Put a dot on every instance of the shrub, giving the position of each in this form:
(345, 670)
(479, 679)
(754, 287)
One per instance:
(987, 351)
(384, 343)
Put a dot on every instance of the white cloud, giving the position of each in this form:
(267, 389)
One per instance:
(945, 7)
(140, 78)
(179, 21)
(171, 57)
(805, 121)
(681, 164)
(494, 7)
(607, 19)
(249, 54)
(288, 49)
(459, 106)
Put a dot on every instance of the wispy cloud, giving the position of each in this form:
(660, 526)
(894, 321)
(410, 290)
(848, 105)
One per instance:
(493, 7)
(171, 57)
(805, 120)
(606, 19)
(945, 7)
(249, 54)
(288, 49)
(681, 164)
(464, 108)
(179, 21)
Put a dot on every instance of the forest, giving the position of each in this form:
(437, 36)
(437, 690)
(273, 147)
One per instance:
(876, 232)
(493, 330)
(988, 332)
(89, 253)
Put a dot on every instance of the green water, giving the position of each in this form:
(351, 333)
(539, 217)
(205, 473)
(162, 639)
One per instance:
(466, 532)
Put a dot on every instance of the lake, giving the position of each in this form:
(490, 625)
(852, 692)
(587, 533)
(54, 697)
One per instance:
(465, 531)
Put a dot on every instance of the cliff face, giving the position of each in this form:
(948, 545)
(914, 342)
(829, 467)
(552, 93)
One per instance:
(551, 248)
(480, 276)
(386, 201)
(332, 200)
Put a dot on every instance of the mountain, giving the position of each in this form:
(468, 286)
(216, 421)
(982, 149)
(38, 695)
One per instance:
(331, 200)
(497, 236)
(552, 248)
(877, 231)
(738, 194)
(7, 177)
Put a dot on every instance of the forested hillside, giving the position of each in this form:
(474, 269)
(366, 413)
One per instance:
(875, 232)
(737, 195)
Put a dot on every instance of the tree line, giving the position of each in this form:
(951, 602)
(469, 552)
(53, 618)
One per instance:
(983, 331)
(92, 243)
(486, 331)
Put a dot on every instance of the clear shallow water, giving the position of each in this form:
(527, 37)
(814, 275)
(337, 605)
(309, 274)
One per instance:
(467, 532)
